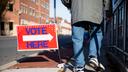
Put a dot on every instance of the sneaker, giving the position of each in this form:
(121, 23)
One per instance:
(93, 62)
(89, 68)
(79, 69)
(94, 65)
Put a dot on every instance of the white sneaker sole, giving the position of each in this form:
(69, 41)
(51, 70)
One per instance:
(88, 67)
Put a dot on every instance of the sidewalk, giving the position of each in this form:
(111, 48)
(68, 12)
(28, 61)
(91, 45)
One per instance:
(33, 70)
(45, 61)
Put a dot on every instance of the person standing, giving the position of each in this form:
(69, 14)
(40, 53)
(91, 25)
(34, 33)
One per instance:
(86, 16)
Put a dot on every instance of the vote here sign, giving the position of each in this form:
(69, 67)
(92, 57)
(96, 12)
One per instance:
(37, 37)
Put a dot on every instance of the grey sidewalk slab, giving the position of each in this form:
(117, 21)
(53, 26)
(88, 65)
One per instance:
(35, 70)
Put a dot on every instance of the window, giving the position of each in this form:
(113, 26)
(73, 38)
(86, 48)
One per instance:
(33, 12)
(47, 6)
(2, 25)
(42, 16)
(10, 25)
(30, 11)
(115, 1)
(21, 8)
(42, 4)
(24, 9)
(33, 1)
(10, 6)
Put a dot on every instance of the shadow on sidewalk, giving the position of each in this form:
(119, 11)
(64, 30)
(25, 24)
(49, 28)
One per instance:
(65, 54)
(32, 59)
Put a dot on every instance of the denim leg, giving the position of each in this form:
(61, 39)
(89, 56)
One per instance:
(93, 42)
(77, 38)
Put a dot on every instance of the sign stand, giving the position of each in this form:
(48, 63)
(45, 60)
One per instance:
(56, 23)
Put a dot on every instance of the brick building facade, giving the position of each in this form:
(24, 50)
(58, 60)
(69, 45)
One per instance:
(23, 12)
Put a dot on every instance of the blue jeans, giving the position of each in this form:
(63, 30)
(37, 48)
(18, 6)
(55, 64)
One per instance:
(78, 35)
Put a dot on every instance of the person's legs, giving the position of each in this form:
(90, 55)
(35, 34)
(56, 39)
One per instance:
(95, 45)
(95, 42)
(77, 38)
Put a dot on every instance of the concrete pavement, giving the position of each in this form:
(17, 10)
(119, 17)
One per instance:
(35, 70)
(45, 61)
(32, 70)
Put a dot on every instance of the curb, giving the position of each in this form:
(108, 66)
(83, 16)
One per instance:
(5, 66)
(33, 70)
(8, 37)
